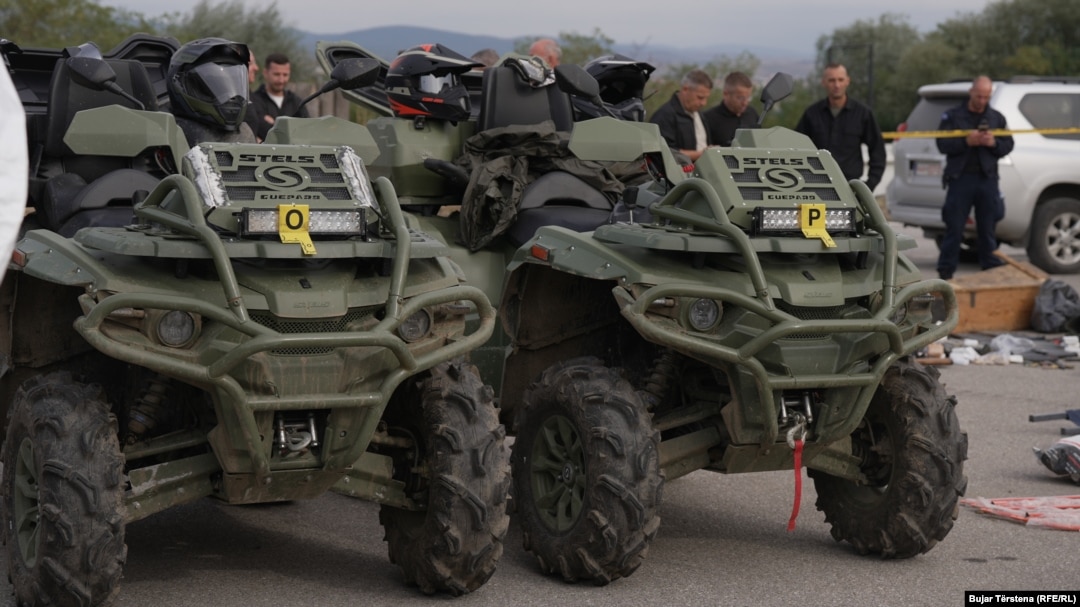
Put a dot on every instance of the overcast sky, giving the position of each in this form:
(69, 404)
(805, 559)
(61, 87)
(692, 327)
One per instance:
(787, 24)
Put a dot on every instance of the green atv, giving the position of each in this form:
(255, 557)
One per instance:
(739, 317)
(263, 325)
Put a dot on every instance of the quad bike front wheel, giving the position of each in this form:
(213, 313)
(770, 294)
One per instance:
(62, 495)
(912, 452)
(459, 469)
(586, 473)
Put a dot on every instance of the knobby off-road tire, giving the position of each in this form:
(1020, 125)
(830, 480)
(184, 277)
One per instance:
(913, 453)
(587, 481)
(462, 475)
(62, 495)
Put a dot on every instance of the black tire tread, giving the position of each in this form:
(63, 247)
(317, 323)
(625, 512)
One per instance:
(921, 503)
(81, 550)
(620, 512)
(454, 546)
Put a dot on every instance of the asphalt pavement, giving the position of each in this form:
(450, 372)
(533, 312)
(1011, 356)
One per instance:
(722, 539)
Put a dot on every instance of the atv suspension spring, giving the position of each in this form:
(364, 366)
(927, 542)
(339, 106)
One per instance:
(148, 410)
(661, 376)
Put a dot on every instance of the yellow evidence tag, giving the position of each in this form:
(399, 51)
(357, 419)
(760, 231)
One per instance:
(293, 226)
(812, 222)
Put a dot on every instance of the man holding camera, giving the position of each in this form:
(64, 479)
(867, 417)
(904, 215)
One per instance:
(971, 176)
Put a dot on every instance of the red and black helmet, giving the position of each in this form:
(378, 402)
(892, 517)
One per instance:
(423, 81)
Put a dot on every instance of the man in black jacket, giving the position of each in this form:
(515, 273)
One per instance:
(841, 125)
(971, 176)
(272, 100)
(733, 112)
(679, 119)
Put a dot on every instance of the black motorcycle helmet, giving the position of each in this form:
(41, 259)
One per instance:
(622, 86)
(208, 82)
(424, 81)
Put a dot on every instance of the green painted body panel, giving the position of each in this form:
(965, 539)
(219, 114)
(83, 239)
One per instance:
(277, 331)
(403, 146)
(118, 131)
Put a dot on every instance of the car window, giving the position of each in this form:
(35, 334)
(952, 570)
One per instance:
(927, 113)
(1052, 111)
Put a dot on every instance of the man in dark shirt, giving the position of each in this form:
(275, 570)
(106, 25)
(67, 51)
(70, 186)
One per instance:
(272, 100)
(680, 120)
(841, 125)
(733, 112)
(971, 176)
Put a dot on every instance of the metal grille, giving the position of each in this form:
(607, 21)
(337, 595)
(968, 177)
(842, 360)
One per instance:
(812, 177)
(747, 176)
(241, 193)
(809, 313)
(333, 193)
(291, 326)
(224, 159)
(321, 176)
(329, 161)
(244, 174)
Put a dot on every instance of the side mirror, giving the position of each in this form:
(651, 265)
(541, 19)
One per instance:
(96, 73)
(351, 73)
(574, 80)
(778, 88)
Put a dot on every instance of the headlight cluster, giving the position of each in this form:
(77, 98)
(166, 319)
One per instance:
(415, 327)
(787, 220)
(173, 328)
(343, 222)
(703, 314)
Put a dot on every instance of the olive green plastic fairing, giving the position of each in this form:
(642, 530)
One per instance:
(779, 177)
(773, 337)
(114, 130)
(608, 139)
(557, 474)
(325, 130)
(404, 144)
(320, 335)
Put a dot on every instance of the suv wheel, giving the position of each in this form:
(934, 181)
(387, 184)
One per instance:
(1055, 236)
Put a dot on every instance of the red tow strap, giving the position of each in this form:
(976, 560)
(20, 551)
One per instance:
(798, 484)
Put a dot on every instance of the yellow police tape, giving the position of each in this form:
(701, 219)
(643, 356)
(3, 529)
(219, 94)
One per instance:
(964, 133)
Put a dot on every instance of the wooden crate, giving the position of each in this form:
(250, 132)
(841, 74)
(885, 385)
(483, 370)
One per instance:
(999, 299)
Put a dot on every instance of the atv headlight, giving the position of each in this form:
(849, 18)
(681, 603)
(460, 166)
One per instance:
(787, 220)
(337, 222)
(175, 328)
(415, 327)
(703, 314)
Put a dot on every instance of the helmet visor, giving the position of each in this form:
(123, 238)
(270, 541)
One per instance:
(434, 85)
(215, 83)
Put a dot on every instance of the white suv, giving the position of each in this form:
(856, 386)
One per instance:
(1040, 180)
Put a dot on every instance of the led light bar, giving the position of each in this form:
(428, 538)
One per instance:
(343, 222)
(787, 220)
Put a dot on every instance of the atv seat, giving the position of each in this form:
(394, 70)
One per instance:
(506, 99)
(90, 190)
(559, 199)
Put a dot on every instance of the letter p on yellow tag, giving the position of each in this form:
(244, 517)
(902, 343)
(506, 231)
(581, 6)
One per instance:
(812, 222)
(294, 222)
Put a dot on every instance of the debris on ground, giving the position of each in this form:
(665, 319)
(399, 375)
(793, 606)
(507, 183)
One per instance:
(1053, 512)
(1063, 457)
(1025, 347)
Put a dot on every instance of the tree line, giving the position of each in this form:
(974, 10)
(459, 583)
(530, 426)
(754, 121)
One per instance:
(1006, 39)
